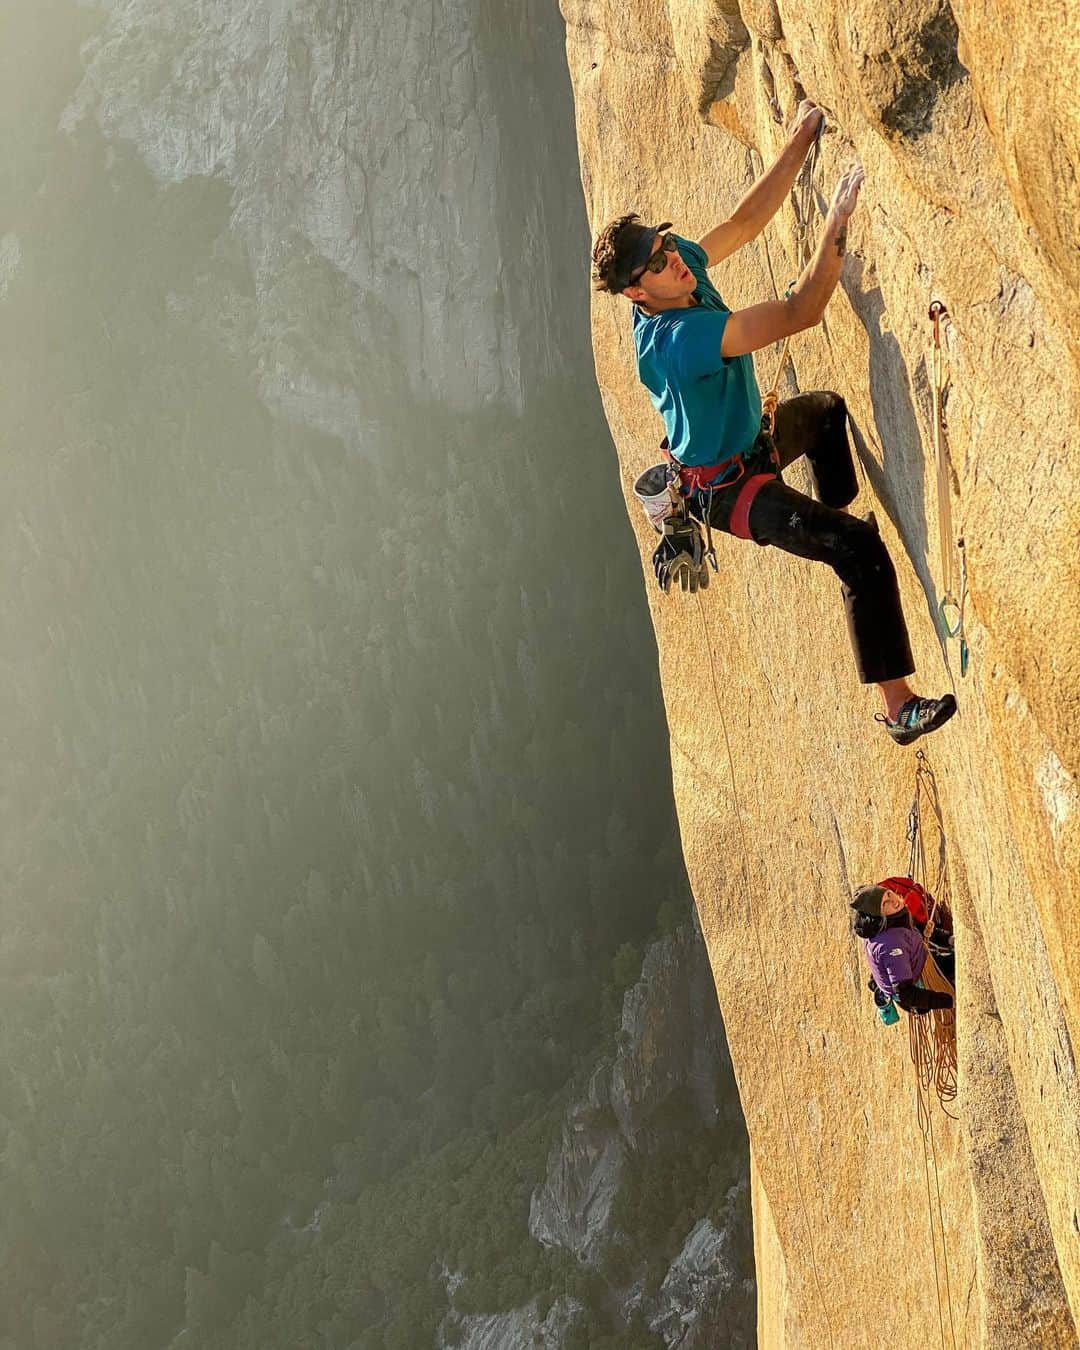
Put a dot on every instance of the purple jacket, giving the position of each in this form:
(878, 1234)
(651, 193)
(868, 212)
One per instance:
(895, 955)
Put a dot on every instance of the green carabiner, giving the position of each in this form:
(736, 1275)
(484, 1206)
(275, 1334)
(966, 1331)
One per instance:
(950, 630)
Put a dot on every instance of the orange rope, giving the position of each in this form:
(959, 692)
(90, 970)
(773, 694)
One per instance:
(770, 400)
(932, 1036)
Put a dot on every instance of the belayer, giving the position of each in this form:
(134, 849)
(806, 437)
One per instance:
(693, 356)
(885, 917)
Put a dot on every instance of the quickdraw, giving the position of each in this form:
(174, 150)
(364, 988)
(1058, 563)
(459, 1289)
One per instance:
(953, 600)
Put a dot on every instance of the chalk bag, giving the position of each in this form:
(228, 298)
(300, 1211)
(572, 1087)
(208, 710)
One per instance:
(651, 490)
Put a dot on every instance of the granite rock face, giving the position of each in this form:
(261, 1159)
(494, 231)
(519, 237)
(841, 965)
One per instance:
(362, 149)
(572, 1209)
(788, 795)
(696, 1288)
(671, 1061)
(520, 1329)
(671, 1040)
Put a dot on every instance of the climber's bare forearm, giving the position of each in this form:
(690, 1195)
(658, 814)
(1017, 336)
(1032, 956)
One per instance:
(758, 205)
(819, 278)
(758, 326)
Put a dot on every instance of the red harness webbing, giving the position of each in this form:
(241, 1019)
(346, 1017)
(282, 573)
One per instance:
(740, 512)
(702, 477)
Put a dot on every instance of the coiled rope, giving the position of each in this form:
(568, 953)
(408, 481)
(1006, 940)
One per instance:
(932, 1037)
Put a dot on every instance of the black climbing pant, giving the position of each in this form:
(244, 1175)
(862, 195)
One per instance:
(815, 425)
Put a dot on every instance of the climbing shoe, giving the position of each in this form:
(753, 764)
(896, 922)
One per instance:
(917, 717)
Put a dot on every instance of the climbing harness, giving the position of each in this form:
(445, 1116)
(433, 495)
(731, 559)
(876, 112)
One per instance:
(708, 479)
(953, 591)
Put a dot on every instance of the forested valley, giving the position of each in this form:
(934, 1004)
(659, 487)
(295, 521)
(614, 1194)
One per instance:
(337, 813)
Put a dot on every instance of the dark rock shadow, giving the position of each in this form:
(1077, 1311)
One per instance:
(896, 465)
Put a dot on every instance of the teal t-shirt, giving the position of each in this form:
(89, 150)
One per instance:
(710, 404)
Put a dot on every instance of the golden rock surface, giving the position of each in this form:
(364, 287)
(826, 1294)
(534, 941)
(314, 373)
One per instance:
(967, 121)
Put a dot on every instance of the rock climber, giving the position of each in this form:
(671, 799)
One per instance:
(693, 356)
(920, 904)
(895, 949)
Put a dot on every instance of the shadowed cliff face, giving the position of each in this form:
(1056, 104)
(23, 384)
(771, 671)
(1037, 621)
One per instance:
(960, 205)
(647, 1185)
(376, 146)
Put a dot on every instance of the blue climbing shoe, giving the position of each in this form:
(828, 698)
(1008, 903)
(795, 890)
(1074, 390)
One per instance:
(917, 717)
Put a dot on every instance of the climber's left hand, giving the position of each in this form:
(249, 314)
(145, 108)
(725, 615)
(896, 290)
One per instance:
(808, 117)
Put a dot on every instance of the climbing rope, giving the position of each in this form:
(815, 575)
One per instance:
(932, 1037)
(770, 400)
(942, 1280)
(954, 592)
(785, 1097)
(933, 1048)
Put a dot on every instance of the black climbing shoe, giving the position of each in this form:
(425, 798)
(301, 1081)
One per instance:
(917, 717)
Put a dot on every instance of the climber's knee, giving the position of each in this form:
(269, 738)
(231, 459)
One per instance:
(831, 463)
(863, 555)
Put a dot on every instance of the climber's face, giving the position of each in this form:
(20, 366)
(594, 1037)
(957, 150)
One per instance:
(668, 288)
(891, 904)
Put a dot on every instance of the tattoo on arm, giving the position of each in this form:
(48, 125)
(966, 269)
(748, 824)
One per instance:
(841, 242)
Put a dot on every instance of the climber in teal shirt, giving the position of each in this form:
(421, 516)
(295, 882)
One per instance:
(712, 408)
(693, 356)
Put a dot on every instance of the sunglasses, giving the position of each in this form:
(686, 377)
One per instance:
(658, 261)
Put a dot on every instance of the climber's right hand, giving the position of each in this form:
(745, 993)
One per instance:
(808, 119)
(913, 998)
(847, 192)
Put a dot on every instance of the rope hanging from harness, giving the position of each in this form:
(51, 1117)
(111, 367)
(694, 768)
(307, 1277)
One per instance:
(932, 1037)
(770, 400)
(954, 594)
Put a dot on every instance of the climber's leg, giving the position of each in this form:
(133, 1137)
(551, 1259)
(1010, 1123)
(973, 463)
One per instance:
(797, 524)
(791, 521)
(853, 549)
(815, 425)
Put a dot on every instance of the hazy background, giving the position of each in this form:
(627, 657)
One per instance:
(336, 812)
